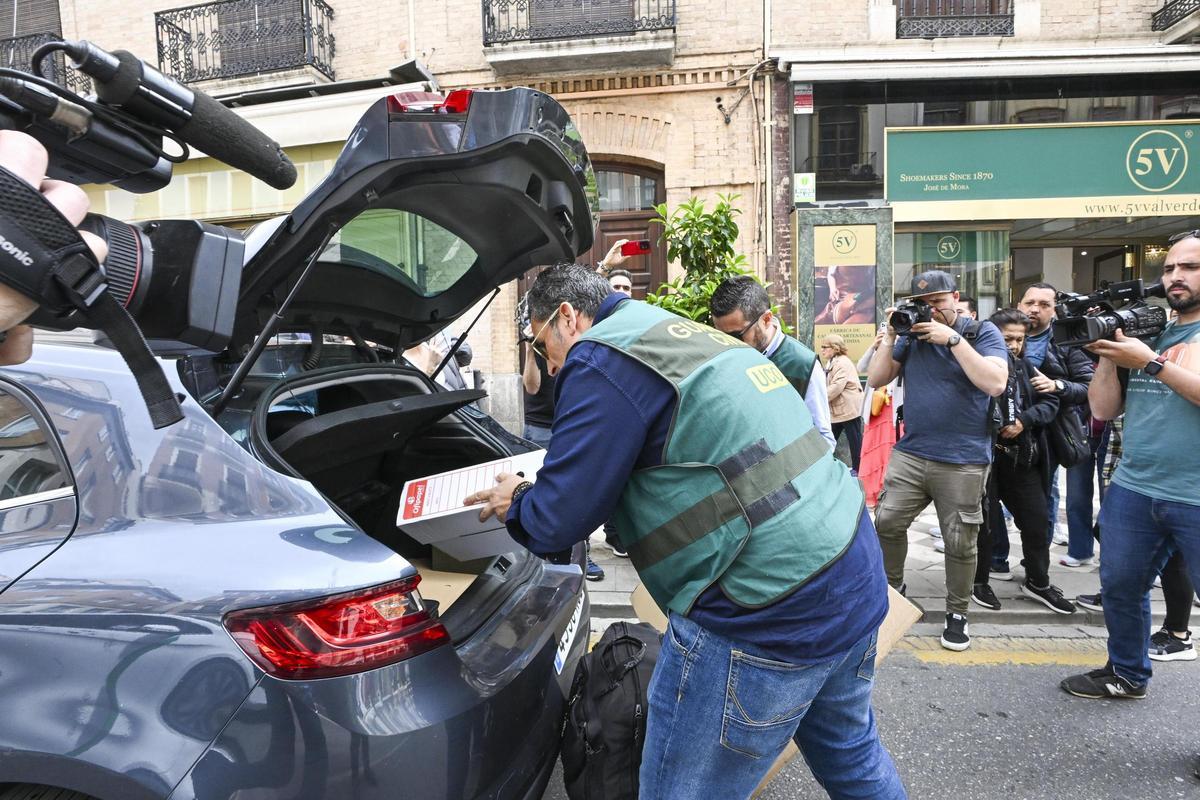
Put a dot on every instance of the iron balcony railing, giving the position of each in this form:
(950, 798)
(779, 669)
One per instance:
(928, 19)
(17, 53)
(843, 167)
(507, 21)
(232, 38)
(1172, 12)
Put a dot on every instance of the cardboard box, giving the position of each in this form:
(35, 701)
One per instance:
(432, 512)
(901, 616)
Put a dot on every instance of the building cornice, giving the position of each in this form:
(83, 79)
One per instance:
(937, 60)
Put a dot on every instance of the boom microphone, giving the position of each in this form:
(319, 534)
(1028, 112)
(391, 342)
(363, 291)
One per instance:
(124, 80)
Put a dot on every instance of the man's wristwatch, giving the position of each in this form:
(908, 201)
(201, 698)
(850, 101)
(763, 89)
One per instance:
(520, 489)
(953, 340)
(1059, 386)
(1156, 365)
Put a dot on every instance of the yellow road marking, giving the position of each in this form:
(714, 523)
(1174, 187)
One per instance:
(1014, 650)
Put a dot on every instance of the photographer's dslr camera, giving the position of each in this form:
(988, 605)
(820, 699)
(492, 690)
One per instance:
(909, 313)
(1083, 319)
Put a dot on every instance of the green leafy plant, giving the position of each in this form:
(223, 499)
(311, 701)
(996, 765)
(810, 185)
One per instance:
(703, 243)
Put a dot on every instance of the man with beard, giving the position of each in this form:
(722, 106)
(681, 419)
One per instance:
(1151, 509)
(1064, 372)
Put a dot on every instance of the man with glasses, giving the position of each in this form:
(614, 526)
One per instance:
(951, 367)
(1066, 373)
(741, 525)
(1152, 507)
(741, 308)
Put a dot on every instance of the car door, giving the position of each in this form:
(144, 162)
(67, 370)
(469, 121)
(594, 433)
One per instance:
(37, 495)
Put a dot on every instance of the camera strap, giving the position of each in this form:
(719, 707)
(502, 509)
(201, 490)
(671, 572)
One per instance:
(43, 257)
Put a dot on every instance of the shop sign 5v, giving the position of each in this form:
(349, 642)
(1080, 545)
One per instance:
(1157, 160)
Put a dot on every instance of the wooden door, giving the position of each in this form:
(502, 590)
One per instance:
(627, 199)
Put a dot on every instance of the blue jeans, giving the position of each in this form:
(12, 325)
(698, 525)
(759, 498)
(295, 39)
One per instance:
(538, 434)
(721, 711)
(1081, 479)
(1052, 505)
(1139, 534)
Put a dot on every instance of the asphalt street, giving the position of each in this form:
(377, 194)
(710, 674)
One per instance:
(992, 723)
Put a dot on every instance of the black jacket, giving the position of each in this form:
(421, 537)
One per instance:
(1074, 368)
(1034, 409)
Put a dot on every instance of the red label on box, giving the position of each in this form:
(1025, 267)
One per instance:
(414, 500)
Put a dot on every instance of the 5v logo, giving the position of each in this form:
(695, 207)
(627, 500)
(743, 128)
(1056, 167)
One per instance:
(1156, 160)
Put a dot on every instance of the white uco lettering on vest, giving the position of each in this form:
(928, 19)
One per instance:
(20, 255)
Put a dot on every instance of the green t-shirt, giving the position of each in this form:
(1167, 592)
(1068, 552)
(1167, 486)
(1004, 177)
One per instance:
(1161, 441)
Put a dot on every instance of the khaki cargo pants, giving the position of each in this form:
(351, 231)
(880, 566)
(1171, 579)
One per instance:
(956, 491)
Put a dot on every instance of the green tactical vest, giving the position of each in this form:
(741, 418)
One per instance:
(796, 362)
(748, 492)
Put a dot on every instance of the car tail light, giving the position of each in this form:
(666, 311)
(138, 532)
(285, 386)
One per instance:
(457, 102)
(340, 634)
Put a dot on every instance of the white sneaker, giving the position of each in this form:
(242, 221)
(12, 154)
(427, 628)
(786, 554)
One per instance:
(939, 544)
(1060, 538)
(1067, 561)
(936, 533)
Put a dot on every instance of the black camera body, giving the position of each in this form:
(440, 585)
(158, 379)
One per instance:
(1083, 319)
(177, 278)
(909, 313)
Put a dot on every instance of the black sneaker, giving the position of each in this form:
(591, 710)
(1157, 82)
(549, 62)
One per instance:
(1165, 647)
(1100, 683)
(1089, 601)
(955, 636)
(1049, 596)
(983, 595)
(1000, 572)
(594, 571)
(618, 551)
(902, 589)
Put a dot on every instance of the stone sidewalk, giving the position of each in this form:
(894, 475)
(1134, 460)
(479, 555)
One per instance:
(926, 577)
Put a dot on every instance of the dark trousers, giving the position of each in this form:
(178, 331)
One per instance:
(853, 428)
(1177, 591)
(1024, 493)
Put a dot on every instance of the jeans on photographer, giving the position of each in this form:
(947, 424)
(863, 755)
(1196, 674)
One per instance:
(1082, 482)
(1139, 534)
(721, 711)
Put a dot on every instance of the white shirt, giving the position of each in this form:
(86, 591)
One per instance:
(816, 398)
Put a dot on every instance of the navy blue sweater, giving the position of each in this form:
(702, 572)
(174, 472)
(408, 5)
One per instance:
(612, 415)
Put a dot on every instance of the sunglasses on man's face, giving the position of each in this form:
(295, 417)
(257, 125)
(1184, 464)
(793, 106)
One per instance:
(536, 344)
(1179, 237)
(742, 333)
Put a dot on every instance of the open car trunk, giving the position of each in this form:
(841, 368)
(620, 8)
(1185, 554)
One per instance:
(358, 434)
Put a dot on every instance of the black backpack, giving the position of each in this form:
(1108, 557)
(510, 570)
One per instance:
(606, 714)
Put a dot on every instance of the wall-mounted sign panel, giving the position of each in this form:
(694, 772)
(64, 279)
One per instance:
(1019, 172)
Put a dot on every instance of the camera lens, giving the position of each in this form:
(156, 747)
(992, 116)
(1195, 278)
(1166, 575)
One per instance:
(128, 263)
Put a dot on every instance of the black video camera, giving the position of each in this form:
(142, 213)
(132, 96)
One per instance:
(909, 313)
(1082, 319)
(174, 281)
(178, 279)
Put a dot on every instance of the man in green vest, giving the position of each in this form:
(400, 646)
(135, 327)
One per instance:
(740, 307)
(742, 526)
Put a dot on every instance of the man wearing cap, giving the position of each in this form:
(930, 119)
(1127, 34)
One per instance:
(950, 367)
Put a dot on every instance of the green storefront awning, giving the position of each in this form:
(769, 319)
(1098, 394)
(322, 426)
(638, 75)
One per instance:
(1012, 172)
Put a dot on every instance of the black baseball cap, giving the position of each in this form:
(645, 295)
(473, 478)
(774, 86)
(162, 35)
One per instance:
(932, 282)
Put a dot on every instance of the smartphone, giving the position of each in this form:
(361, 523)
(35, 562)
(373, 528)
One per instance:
(636, 248)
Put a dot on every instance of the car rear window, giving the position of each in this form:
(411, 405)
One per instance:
(407, 247)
